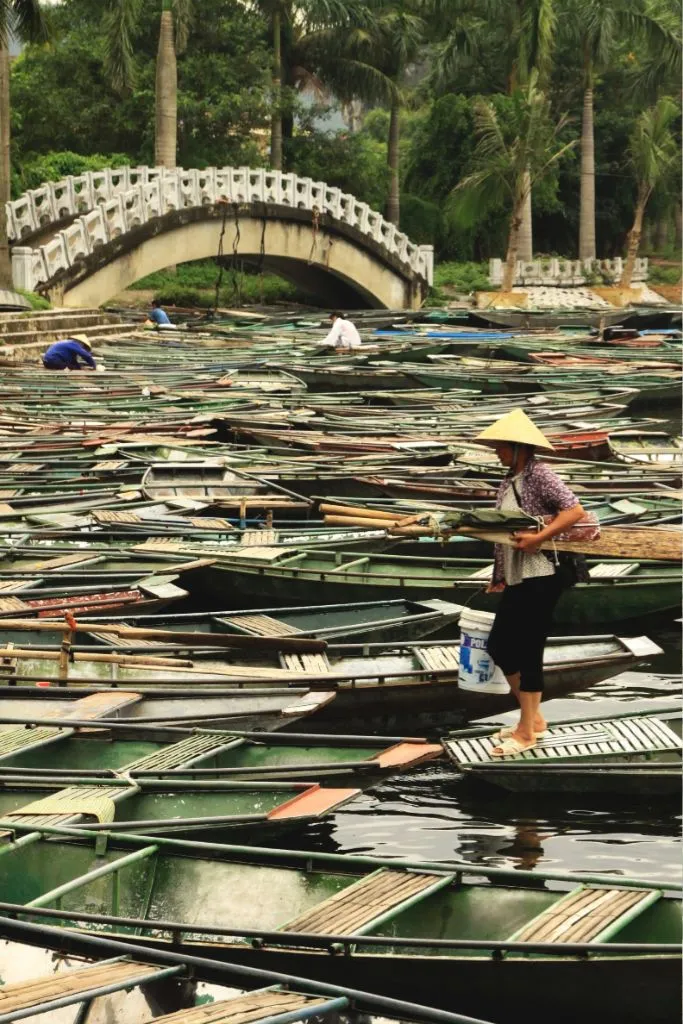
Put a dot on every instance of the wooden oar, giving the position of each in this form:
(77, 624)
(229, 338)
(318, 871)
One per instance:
(257, 643)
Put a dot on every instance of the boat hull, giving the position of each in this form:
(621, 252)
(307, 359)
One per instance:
(618, 988)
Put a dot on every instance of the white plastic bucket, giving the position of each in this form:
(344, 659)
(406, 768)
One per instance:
(477, 669)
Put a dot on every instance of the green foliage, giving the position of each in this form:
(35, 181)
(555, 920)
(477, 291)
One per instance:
(194, 284)
(355, 163)
(62, 100)
(659, 274)
(462, 277)
(37, 301)
(54, 166)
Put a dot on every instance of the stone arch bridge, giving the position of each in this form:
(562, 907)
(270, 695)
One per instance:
(82, 240)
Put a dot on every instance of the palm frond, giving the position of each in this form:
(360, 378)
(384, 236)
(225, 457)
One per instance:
(120, 22)
(24, 18)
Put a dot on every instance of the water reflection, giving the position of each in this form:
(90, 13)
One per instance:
(434, 813)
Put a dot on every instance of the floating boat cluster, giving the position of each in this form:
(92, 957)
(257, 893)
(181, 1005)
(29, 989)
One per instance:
(232, 535)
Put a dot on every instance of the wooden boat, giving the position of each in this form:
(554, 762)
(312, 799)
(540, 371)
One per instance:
(635, 755)
(379, 621)
(370, 679)
(35, 597)
(217, 707)
(112, 981)
(618, 590)
(205, 810)
(428, 932)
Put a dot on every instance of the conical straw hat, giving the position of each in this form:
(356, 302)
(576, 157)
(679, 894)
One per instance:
(83, 338)
(516, 428)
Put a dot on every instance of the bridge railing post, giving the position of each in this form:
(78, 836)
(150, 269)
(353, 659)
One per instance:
(22, 268)
(427, 254)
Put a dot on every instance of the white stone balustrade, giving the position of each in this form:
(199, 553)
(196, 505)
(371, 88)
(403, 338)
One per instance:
(567, 273)
(108, 203)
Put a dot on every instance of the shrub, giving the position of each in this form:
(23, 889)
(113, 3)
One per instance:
(37, 301)
(462, 277)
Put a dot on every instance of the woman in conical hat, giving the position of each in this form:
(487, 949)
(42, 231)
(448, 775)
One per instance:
(527, 578)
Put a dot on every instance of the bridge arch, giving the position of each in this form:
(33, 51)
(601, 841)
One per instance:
(94, 235)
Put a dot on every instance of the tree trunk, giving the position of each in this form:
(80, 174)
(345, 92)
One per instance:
(166, 99)
(393, 202)
(661, 234)
(525, 239)
(634, 238)
(512, 254)
(678, 226)
(587, 214)
(276, 119)
(5, 259)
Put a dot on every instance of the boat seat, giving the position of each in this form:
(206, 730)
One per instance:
(606, 570)
(97, 705)
(254, 1007)
(110, 516)
(261, 625)
(587, 914)
(260, 538)
(12, 604)
(184, 753)
(362, 906)
(310, 664)
(25, 994)
(439, 659)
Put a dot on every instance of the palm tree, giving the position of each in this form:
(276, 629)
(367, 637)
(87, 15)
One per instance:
(371, 63)
(598, 28)
(511, 159)
(121, 22)
(307, 43)
(652, 154)
(524, 31)
(24, 20)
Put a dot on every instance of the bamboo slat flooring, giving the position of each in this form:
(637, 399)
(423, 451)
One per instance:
(583, 915)
(355, 908)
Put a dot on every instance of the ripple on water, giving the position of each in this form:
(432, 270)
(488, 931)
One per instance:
(432, 813)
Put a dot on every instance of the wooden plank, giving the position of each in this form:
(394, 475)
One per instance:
(261, 625)
(246, 1009)
(358, 906)
(583, 915)
(23, 995)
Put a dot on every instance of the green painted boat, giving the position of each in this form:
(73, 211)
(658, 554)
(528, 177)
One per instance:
(149, 752)
(618, 591)
(428, 932)
(205, 810)
(417, 683)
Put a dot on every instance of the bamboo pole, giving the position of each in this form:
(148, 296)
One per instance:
(634, 542)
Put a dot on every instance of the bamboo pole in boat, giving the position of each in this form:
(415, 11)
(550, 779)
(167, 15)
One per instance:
(270, 643)
(635, 542)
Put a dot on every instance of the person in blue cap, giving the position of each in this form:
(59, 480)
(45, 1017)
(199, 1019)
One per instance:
(70, 354)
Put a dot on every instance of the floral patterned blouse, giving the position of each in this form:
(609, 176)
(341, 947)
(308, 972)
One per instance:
(542, 494)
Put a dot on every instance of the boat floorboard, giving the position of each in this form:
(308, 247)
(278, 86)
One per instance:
(26, 994)
(619, 737)
(360, 906)
(586, 914)
(248, 1009)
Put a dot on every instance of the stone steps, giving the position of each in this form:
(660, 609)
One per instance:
(56, 319)
(22, 339)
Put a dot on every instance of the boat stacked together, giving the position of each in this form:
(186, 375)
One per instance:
(232, 570)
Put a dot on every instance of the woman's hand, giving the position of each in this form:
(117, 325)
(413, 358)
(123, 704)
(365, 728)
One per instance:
(494, 588)
(528, 542)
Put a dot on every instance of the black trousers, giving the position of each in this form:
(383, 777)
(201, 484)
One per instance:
(521, 627)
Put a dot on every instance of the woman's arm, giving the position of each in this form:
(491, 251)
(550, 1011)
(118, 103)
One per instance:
(530, 542)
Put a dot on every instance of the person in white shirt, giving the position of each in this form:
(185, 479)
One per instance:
(343, 333)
